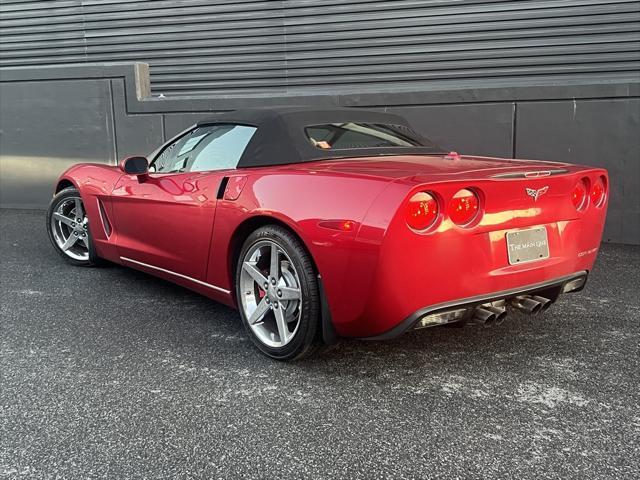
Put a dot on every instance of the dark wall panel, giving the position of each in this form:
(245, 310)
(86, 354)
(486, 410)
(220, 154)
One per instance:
(135, 134)
(46, 127)
(593, 132)
(75, 115)
(54, 117)
(477, 129)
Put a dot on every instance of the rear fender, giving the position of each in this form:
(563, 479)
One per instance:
(299, 201)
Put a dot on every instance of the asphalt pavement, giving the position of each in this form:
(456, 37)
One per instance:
(111, 373)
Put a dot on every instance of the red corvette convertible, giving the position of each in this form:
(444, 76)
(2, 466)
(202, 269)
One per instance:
(336, 222)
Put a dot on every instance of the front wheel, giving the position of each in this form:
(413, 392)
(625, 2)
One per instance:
(277, 292)
(68, 228)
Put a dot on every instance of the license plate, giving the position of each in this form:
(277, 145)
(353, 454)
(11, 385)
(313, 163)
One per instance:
(527, 245)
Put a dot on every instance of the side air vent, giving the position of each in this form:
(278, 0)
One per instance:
(531, 174)
(106, 224)
(222, 187)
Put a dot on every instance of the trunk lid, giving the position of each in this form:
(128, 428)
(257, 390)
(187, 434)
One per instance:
(426, 168)
(514, 193)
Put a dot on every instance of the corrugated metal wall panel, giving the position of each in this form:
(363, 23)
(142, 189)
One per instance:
(242, 46)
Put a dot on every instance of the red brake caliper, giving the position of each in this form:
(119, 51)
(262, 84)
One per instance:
(261, 291)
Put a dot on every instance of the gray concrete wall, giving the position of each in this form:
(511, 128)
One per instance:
(52, 117)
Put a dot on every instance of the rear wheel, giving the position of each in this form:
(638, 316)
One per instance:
(68, 228)
(277, 292)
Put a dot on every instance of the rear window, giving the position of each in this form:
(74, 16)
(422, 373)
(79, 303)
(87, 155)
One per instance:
(352, 135)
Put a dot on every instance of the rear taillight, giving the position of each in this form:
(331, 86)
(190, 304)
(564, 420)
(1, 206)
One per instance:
(463, 207)
(421, 211)
(599, 192)
(579, 194)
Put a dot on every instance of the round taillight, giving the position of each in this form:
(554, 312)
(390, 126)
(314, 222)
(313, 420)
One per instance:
(421, 211)
(463, 207)
(579, 194)
(598, 192)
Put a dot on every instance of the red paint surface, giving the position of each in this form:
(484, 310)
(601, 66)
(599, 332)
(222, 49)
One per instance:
(374, 275)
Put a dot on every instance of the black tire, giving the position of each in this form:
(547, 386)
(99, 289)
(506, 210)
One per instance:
(307, 336)
(93, 259)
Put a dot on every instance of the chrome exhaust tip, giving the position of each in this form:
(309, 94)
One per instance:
(544, 302)
(483, 316)
(499, 312)
(527, 305)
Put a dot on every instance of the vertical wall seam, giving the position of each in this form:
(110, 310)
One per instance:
(113, 123)
(514, 126)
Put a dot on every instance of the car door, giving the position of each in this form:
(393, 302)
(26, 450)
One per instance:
(165, 219)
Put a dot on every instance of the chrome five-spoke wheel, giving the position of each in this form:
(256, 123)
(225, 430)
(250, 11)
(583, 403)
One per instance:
(271, 295)
(277, 293)
(69, 228)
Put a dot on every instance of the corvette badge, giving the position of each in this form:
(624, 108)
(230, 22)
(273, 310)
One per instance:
(535, 194)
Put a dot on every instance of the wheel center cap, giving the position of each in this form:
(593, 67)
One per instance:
(271, 293)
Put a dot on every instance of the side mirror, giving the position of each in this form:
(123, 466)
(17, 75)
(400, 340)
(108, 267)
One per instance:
(135, 166)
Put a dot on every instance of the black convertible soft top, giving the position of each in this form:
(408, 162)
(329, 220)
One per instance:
(280, 136)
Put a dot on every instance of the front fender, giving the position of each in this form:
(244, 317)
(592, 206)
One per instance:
(95, 182)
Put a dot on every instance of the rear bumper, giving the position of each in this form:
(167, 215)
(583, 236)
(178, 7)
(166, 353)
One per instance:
(550, 289)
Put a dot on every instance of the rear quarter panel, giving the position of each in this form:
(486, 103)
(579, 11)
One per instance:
(300, 200)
